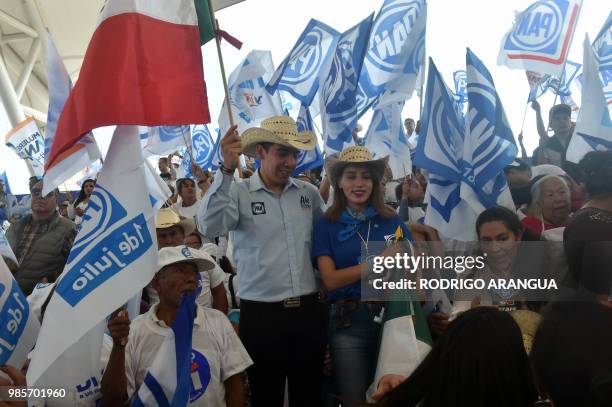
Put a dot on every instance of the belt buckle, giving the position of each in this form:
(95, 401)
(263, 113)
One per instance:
(293, 302)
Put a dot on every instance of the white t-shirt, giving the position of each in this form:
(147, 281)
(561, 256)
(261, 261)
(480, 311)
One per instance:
(217, 354)
(188, 212)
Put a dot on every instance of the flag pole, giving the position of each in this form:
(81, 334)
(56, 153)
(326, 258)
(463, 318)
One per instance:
(524, 115)
(223, 76)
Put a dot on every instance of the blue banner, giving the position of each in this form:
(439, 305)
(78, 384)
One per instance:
(489, 145)
(339, 86)
(307, 159)
(396, 52)
(299, 73)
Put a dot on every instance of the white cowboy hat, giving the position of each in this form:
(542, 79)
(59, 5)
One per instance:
(277, 130)
(354, 155)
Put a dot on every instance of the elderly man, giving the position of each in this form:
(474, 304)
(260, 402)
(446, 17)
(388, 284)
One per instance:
(41, 241)
(218, 357)
(270, 216)
(171, 231)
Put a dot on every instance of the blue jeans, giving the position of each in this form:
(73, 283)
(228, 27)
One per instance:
(354, 350)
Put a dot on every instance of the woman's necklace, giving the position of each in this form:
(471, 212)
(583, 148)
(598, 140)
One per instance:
(367, 239)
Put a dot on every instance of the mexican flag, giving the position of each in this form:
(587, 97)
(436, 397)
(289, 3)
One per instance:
(405, 339)
(143, 66)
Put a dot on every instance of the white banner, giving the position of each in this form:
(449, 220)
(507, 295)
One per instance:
(25, 139)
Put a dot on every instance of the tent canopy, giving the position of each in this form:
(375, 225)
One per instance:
(22, 41)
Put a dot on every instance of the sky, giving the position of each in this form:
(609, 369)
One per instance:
(452, 26)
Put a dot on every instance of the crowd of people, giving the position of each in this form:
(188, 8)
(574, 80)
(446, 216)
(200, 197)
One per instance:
(277, 262)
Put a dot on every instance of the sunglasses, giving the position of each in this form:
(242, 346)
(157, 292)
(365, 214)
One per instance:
(37, 193)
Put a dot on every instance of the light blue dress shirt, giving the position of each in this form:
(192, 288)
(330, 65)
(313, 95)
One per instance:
(271, 234)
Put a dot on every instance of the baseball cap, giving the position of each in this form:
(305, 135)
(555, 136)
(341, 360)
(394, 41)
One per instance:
(184, 254)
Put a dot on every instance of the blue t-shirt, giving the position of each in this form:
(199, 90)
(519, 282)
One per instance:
(348, 253)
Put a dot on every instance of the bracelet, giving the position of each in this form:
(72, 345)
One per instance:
(225, 170)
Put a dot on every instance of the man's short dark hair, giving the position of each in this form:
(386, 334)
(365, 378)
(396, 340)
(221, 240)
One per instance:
(561, 108)
(518, 165)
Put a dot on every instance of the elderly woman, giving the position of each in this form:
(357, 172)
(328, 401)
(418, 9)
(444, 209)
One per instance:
(551, 204)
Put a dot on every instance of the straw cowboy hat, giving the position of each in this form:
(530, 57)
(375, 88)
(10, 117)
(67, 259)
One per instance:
(528, 322)
(278, 130)
(354, 155)
(166, 218)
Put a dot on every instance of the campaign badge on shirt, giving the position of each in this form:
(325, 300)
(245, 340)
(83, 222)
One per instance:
(305, 203)
(200, 375)
(258, 208)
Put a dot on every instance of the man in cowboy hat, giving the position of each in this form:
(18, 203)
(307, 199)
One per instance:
(271, 215)
(171, 231)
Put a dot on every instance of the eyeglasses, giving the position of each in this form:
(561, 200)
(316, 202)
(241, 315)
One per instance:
(37, 193)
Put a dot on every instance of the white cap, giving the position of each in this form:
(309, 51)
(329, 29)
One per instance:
(184, 254)
(176, 160)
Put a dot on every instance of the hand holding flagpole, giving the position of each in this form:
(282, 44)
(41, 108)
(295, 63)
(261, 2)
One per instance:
(223, 76)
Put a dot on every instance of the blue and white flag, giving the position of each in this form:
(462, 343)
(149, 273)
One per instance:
(299, 73)
(162, 140)
(250, 101)
(387, 137)
(460, 79)
(4, 177)
(489, 144)
(602, 46)
(339, 86)
(19, 328)
(86, 150)
(541, 37)
(593, 130)
(440, 152)
(217, 158)
(307, 159)
(395, 54)
(202, 147)
(5, 248)
(560, 88)
(114, 257)
(161, 386)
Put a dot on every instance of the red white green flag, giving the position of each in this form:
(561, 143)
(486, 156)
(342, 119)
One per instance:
(143, 66)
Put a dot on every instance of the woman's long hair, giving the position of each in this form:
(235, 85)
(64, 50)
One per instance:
(479, 361)
(82, 195)
(376, 200)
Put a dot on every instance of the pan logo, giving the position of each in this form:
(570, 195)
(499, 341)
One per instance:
(389, 33)
(200, 375)
(169, 133)
(539, 28)
(108, 242)
(307, 58)
(101, 214)
(202, 146)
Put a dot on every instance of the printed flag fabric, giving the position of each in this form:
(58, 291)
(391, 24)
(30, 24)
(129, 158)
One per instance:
(299, 73)
(27, 142)
(114, 257)
(168, 380)
(339, 87)
(82, 153)
(118, 84)
(541, 37)
(593, 130)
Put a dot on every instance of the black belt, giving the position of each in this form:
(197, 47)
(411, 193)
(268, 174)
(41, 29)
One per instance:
(287, 303)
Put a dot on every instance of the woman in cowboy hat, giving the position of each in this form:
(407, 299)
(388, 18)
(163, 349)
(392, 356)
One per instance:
(358, 216)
